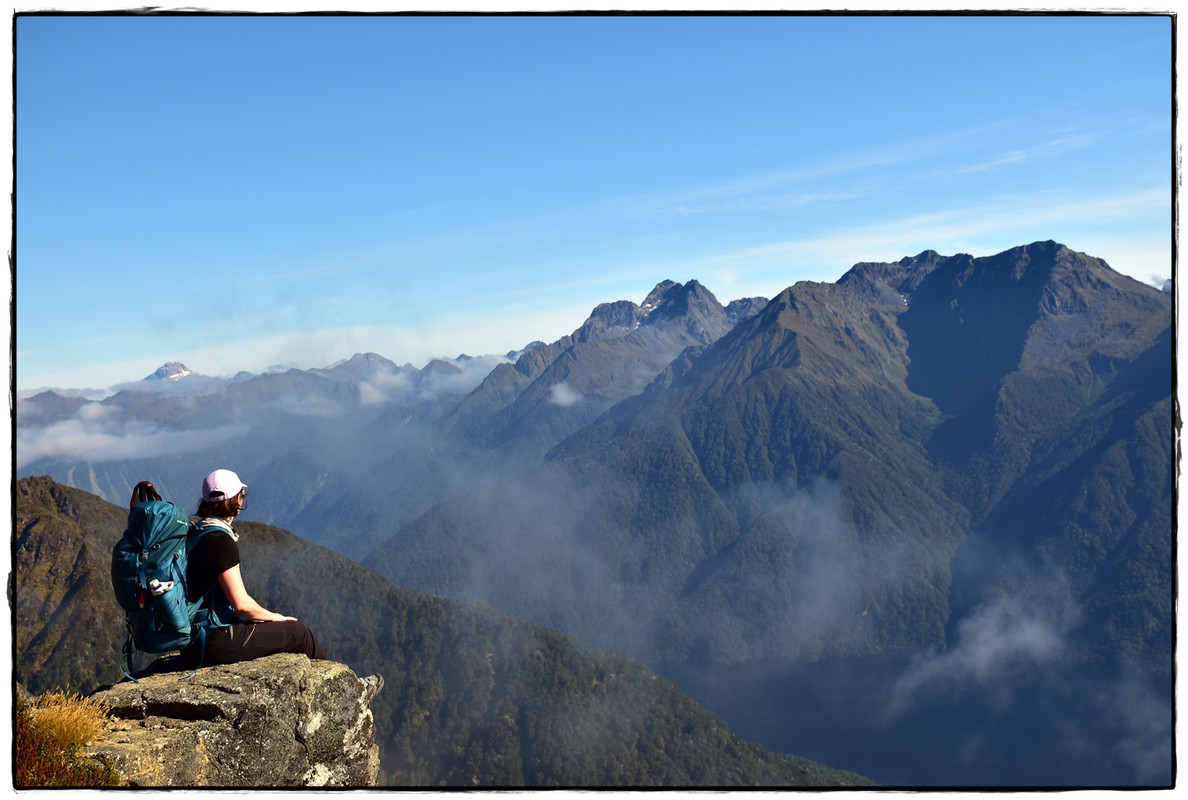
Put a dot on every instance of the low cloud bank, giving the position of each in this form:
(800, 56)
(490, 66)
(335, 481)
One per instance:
(1016, 670)
(1008, 635)
(388, 386)
(80, 428)
(94, 433)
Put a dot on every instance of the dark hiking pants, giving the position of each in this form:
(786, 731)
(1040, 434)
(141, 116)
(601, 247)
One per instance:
(244, 641)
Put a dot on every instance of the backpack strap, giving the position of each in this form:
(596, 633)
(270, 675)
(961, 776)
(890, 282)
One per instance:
(206, 523)
(206, 616)
(201, 653)
(213, 617)
(128, 673)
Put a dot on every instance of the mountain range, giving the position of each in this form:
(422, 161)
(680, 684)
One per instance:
(938, 488)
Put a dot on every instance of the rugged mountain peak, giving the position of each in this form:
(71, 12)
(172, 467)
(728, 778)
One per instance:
(552, 389)
(814, 334)
(610, 321)
(657, 295)
(891, 283)
(690, 305)
(1047, 277)
(677, 301)
(971, 321)
(944, 327)
(744, 308)
(170, 371)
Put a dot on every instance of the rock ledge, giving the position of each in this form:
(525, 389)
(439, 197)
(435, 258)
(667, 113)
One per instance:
(278, 721)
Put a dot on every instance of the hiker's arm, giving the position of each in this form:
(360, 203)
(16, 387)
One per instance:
(242, 602)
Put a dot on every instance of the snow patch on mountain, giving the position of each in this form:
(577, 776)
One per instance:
(170, 371)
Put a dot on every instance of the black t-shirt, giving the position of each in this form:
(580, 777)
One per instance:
(215, 553)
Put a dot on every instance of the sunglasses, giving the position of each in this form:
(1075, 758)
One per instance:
(243, 494)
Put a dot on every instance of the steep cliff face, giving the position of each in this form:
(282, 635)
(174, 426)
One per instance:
(278, 721)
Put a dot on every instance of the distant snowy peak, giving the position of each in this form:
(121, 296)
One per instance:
(170, 371)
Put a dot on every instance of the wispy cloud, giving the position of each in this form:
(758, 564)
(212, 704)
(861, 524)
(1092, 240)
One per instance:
(876, 164)
(1007, 159)
(1053, 147)
(562, 394)
(761, 202)
(1144, 723)
(1001, 639)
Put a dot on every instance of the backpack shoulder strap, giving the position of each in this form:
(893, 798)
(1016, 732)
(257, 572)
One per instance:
(210, 614)
(203, 526)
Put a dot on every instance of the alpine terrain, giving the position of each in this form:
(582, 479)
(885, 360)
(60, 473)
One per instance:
(915, 524)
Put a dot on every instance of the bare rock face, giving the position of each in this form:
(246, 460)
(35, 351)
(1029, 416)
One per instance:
(278, 721)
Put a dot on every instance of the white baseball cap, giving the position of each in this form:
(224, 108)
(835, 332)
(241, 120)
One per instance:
(222, 484)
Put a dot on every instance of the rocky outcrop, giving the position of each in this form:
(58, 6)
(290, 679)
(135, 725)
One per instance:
(278, 721)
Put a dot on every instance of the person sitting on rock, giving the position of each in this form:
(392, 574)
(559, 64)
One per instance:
(214, 562)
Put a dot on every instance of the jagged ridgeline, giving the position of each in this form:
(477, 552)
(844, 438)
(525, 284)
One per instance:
(851, 472)
(938, 486)
(473, 697)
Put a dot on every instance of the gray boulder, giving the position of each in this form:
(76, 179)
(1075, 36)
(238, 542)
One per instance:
(284, 720)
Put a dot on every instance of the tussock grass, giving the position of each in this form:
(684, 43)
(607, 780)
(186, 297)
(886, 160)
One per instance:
(51, 731)
(72, 720)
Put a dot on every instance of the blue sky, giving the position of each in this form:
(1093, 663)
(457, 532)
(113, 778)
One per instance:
(253, 192)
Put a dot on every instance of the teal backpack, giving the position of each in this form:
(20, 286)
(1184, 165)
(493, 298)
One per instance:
(148, 574)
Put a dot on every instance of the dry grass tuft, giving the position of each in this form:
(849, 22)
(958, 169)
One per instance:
(51, 731)
(73, 721)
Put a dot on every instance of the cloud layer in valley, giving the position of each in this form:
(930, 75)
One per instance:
(100, 433)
